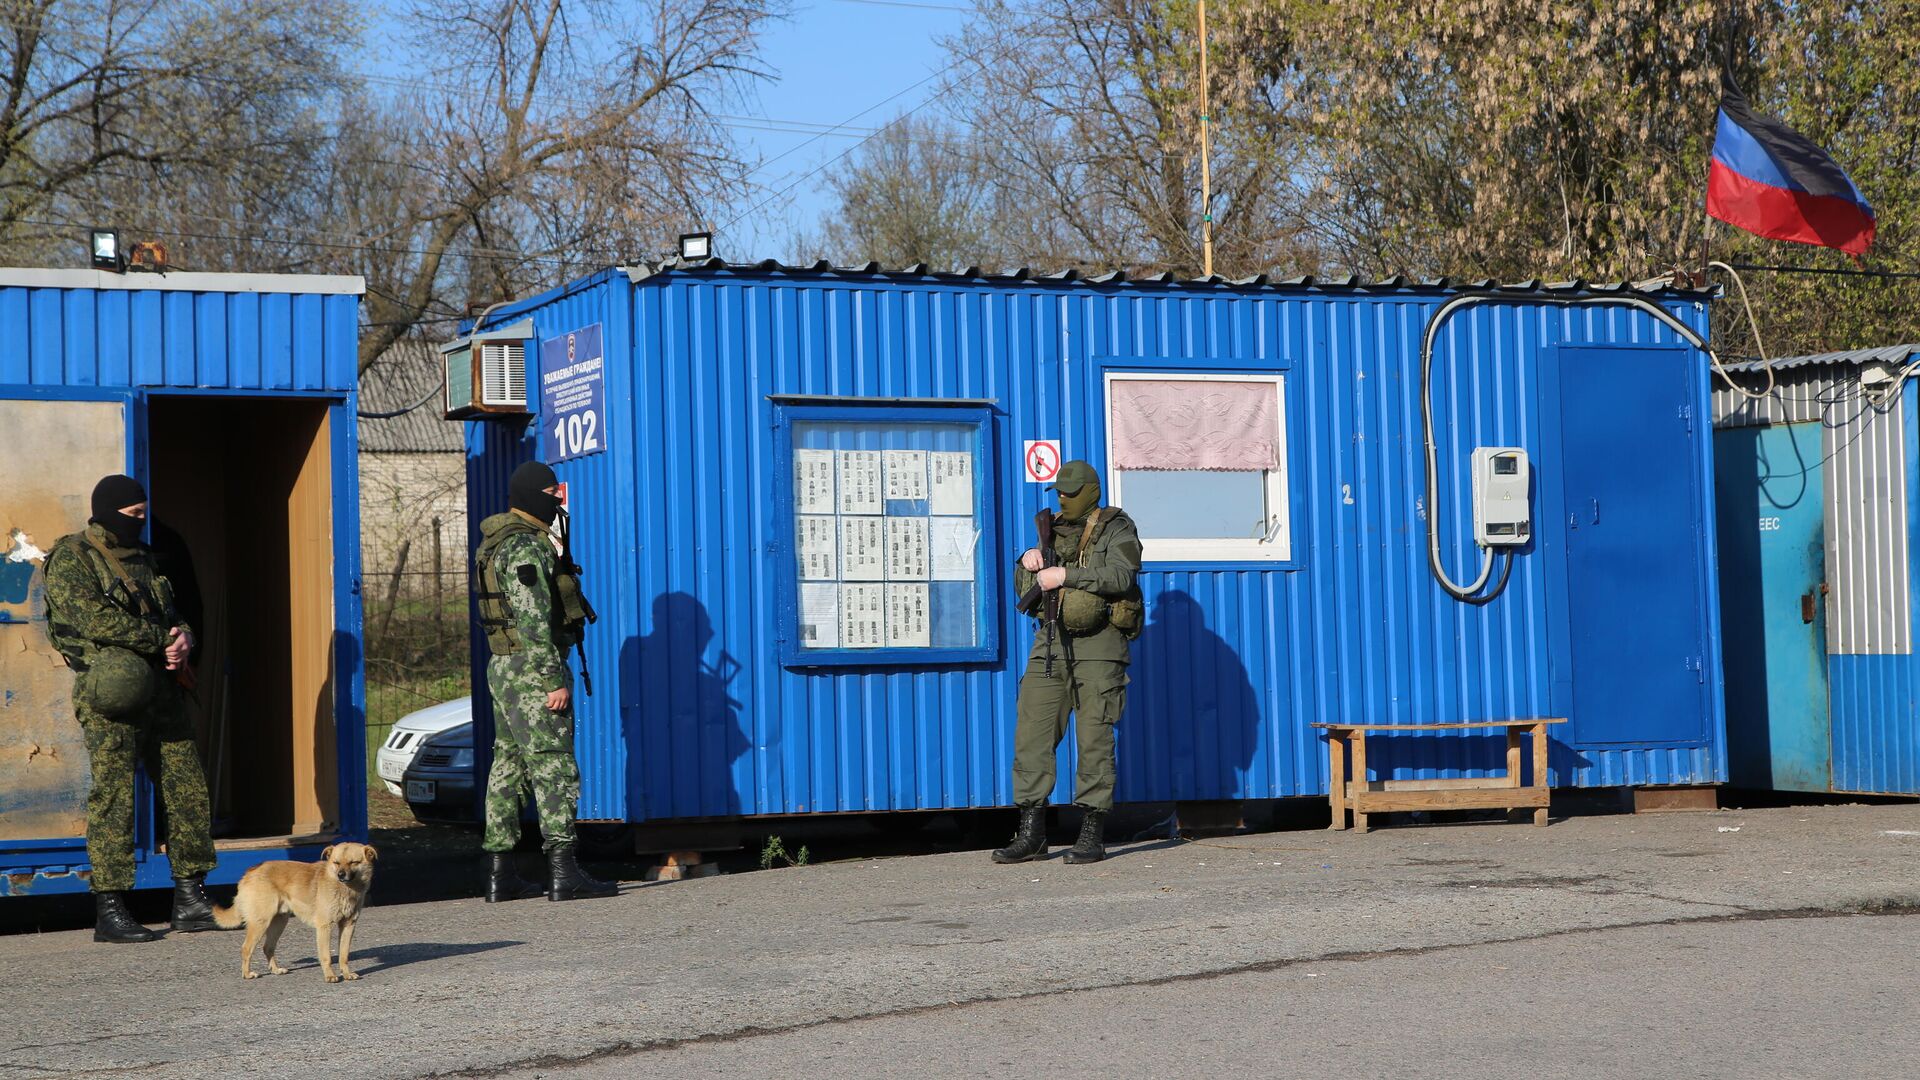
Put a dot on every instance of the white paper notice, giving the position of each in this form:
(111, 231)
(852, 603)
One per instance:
(816, 544)
(863, 549)
(863, 616)
(952, 483)
(953, 540)
(906, 549)
(908, 626)
(906, 474)
(860, 482)
(819, 615)
(813, 481)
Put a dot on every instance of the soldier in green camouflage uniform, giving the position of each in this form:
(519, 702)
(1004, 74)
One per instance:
(529, 608)
(112, 616)
(1078, 664)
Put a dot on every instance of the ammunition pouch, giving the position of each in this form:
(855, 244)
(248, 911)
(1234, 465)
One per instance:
(1082, 612)
(1129, 614)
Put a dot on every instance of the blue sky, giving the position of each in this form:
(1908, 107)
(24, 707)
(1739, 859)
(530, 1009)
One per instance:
(858, 63)
(838, 60)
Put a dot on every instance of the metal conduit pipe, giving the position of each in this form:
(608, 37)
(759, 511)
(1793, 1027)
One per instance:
(1471, 594)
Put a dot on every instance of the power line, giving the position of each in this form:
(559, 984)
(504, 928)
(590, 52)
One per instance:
(1829, 271)
(823, 166)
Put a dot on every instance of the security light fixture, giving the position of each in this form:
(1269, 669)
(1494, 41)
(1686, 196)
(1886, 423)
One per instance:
(105, 245)
(696, 245)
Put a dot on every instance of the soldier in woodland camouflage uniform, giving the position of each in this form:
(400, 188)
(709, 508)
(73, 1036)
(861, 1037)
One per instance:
(112, 616)
(531, 610)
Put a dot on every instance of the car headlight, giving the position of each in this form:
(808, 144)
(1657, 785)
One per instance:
(462, 758)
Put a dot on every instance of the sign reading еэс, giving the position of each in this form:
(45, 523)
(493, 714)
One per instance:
(573, 394)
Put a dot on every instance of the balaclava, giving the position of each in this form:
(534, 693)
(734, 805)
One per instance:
(1078, 486)
(109, 495)
(526, 491)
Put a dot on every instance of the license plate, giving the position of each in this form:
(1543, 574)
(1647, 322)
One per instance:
(392, 771)
(420, 790)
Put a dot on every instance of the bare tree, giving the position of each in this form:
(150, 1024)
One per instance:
(914, 193)
(1087, 117)
(565, 136)
(134, 108)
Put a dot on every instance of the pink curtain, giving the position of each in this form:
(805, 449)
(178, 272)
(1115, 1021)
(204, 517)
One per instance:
(1195, 425)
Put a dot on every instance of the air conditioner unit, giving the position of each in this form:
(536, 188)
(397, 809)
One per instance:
(486, 374)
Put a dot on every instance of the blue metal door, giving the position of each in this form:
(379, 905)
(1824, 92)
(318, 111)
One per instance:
(1630, 506)
(1767, 486)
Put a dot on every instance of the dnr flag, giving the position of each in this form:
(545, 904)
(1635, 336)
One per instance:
(1772, 181)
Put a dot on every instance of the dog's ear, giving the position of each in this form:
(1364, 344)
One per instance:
(326, 853)
(372, 852)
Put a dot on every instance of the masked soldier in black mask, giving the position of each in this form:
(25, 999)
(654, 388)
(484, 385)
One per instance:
(113, 617)
(532, 611)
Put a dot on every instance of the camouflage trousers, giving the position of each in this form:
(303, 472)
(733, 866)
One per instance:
(1094, 697)
(161, 737)
(532, 749)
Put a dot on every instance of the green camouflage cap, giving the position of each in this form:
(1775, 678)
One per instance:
(1073, 476)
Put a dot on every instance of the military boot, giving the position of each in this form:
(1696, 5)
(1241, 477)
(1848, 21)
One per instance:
(504, 881)
(114, 923)
(1029, 840)
(1088, 849)
(191, 909)
(566, 881)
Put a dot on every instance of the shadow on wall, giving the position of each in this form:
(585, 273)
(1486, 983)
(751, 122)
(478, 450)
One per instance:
(1190, 704)
(682, 724)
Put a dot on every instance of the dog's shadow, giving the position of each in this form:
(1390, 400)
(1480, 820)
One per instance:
(387, 957)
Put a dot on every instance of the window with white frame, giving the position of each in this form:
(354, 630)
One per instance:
(1199, 461)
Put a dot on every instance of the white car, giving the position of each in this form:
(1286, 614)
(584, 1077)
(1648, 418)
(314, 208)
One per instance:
(411, 732)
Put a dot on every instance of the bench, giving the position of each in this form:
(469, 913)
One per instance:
(1363, 796)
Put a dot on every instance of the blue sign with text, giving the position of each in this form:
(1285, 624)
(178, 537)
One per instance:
(573, 394)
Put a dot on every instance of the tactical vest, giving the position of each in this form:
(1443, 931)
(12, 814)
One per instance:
(1083, 612)
(153, 605)
(568, 605)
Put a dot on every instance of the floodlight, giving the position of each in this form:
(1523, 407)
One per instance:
(696, 245)
(105, 245)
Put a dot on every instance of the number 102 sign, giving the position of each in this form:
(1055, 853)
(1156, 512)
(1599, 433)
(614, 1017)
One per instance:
(573, 394)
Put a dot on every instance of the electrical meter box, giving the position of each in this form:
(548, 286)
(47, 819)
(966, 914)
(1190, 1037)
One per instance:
(1502, 480)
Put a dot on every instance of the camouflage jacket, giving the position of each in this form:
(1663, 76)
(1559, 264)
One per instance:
(88, 607)
(525, 566)
(1108, 569)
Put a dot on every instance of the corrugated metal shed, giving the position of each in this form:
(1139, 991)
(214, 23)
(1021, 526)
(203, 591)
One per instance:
(170, 348)
(696, 716)
(1866, 466)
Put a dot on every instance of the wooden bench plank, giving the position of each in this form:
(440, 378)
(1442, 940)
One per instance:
(1476, 799)
(1439, 727)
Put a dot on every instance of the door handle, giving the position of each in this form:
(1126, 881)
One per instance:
(1806, 607)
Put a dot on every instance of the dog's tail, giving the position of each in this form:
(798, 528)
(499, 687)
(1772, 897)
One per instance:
(229, 918)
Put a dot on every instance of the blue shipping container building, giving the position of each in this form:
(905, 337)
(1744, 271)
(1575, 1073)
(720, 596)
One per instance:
(1816, 528)
(232, 398)
(798, 491)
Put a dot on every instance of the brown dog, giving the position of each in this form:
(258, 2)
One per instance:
(324, 895)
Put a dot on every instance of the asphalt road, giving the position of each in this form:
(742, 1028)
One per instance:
(694, 967)
(1799, 997)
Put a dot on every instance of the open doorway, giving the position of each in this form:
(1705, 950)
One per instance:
(244, 487)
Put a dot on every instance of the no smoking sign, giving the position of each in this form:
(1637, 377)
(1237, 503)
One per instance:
(1042, 459)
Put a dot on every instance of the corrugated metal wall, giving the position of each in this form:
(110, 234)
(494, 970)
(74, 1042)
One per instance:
(682, 561)
(1869, 456)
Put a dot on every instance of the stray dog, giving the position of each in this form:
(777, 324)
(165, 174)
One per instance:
(324, 895)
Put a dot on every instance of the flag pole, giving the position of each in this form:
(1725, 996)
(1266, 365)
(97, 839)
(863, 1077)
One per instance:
(1206, 170)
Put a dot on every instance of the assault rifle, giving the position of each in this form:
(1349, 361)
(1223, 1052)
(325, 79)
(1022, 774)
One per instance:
(568, 566)
(1041, 603)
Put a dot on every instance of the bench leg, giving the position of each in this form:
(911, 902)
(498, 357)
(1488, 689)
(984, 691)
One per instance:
(1337, 778)
(1359, 779)
(1540, 771)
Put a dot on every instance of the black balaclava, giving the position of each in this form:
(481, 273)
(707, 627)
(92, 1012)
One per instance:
(109, 495)
(526, 491)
